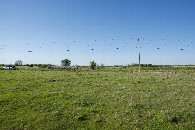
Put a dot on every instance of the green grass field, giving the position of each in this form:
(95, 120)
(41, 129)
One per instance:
(96, 100)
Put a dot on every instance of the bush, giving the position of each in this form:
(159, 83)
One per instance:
(98, 67)
(43, 65)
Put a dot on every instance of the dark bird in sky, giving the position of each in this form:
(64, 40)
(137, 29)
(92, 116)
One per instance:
(182, 49)
(92, 49)
(158, 48)
(117, 48)
(68, 50)
(29, 51)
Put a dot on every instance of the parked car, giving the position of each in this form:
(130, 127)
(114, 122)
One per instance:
(10, 67)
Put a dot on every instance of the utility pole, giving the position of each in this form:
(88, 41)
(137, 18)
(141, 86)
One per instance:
(139, 55)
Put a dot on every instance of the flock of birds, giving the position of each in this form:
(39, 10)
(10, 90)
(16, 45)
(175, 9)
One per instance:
(110, 44)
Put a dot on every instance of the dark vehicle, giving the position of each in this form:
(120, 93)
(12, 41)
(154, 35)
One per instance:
(10, 67)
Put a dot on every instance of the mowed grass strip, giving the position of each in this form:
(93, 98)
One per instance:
(96, 100)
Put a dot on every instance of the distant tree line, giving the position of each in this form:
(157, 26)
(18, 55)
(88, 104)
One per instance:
(93, 65)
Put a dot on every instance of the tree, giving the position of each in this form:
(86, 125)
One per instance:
(66, 62)
(92, 65)
(18, 62)
(102, 65)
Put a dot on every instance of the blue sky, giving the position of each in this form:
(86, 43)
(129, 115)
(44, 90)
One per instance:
(49, 28)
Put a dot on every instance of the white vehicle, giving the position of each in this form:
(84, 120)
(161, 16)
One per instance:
(9, 67)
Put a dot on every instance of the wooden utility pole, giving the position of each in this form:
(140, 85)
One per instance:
(139, 55)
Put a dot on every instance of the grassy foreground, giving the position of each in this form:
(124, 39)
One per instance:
(96, 100)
